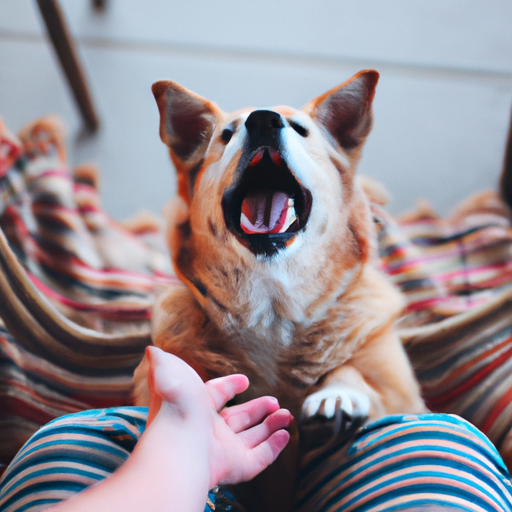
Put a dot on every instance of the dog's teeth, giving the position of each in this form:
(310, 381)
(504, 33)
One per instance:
(250, 228)
(291, 216)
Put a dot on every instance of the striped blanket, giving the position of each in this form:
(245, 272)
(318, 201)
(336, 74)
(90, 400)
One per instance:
(75, 314)
(456, 275)
(75, 318)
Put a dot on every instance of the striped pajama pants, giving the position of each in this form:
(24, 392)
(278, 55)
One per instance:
(428, 462)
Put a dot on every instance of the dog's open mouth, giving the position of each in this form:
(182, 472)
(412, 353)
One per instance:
(267, 205)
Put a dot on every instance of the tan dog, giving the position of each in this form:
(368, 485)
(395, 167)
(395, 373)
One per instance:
(273, 237)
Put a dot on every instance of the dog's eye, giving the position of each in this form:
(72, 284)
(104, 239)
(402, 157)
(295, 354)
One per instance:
(303, 132)
(226, 134)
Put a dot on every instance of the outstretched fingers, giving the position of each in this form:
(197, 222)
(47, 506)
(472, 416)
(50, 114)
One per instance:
(263, 443)
(243, 416)
(266, 453)
(223, 389)
(263, 432)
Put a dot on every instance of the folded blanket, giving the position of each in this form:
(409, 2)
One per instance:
(76, 289)
(456, 275)
(75, 316)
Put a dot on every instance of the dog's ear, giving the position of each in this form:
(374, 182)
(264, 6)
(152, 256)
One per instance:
(346, 111)
(187, 123)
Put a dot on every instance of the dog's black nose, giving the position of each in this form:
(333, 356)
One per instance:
(264, 121)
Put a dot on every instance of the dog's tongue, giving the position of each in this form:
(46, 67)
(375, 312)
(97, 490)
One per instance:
(267, 212)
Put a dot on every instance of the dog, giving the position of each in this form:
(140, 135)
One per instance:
(272, 236)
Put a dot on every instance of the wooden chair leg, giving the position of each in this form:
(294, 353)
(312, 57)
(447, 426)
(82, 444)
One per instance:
(99, 4)
(65, 49)
(506, 174)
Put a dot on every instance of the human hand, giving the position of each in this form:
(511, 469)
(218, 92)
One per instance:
(242, 440)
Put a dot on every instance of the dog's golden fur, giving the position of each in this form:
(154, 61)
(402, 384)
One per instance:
(315, 314)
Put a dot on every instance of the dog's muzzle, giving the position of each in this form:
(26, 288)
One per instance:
(267, 205)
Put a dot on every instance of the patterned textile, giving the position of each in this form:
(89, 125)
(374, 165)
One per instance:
(408, 463)
(456, 274)
(73, 452)
(447, 266)
(69, 454)
(95, 271)
(395, 463)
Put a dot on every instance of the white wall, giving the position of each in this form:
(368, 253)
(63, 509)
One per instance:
(441, 110)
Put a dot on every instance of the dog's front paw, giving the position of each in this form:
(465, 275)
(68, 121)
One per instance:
(332, 413)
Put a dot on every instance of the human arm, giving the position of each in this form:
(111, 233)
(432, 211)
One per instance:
(189, 446)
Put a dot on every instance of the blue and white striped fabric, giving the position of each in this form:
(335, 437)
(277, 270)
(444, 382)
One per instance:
(69, 454)
(427, 462)
(431, 462)
(73, 452)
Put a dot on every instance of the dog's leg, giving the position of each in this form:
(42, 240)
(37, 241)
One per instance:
(339, 406)
(386, 369)
(378, 380)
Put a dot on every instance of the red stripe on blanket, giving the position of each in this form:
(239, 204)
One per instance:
(103, 308)
(503, 402)
(441, 402)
